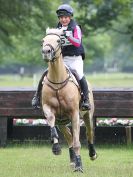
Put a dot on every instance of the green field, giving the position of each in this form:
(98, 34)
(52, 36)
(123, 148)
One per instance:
(38, 161)
(97, 80)
(111, 80)
(15, 81)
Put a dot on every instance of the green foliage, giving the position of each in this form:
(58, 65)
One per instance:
(99, 14)
(22, 26)
(107, 27)
(18, 17)
(97, 49)
(108, 30)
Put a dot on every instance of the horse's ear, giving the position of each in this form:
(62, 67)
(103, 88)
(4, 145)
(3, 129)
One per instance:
(47, 30)
(61, 31)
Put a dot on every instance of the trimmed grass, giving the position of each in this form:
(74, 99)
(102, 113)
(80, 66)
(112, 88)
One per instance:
(111, 80)
(15, 81)
(97, 80)
(38, 161)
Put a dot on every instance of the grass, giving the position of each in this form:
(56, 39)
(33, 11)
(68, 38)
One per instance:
(15, 81)
(111, 80)
(97, 80)
(38, 161)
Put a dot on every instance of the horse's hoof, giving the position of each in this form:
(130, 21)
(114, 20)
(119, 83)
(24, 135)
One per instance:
(72, 157)
(72, 165)
(78, 169)
(94, 157)
(56, 149)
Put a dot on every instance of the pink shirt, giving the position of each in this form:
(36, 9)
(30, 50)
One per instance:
(76, 38)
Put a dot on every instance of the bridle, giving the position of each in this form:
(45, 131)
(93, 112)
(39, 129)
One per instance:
(64, 83)
(53, 51)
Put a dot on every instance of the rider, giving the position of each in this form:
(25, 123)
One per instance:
(72, 51)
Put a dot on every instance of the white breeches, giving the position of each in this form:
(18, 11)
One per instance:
(75, 63)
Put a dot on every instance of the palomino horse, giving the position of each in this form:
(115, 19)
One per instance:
(61, 101)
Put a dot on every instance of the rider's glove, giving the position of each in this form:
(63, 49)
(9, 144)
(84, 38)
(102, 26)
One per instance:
(68, 33)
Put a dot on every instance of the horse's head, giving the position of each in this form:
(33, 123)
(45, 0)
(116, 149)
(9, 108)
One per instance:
(51, 44)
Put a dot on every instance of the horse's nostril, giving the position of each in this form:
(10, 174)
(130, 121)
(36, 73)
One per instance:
(46, 51)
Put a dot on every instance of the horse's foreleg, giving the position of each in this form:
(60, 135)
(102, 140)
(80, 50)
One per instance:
(90, 135)
(56, 149)
(54, 135)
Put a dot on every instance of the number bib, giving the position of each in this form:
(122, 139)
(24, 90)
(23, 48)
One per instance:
(64, 41)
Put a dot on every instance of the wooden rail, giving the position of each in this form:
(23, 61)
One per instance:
(16, 103)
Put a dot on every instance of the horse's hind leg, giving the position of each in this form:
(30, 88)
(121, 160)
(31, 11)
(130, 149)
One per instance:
(73, 142)
(76, 141)
(88, 119)
(69, 139)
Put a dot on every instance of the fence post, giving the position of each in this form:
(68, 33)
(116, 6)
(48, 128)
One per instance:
(128, 135)
(3, 131)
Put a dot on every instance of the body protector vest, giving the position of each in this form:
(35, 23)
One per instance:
(67, 48)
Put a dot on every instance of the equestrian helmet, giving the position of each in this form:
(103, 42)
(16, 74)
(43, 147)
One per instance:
(64, 10)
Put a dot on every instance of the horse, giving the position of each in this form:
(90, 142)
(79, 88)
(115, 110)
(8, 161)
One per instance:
(61, 99)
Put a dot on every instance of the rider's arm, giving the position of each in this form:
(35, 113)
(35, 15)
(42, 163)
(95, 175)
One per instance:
(76, 38)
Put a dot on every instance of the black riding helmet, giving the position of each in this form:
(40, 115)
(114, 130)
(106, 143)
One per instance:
(64, 10)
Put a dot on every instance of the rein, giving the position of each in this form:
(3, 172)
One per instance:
(64, 82)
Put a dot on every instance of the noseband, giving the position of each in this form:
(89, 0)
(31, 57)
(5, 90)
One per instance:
(52, 49)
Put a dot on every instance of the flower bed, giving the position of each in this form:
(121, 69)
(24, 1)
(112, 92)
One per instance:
(30, 122)
(114, 122)
(100, 122)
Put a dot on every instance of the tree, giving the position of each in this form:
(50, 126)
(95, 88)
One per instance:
(105, 23)
(113, 22)
(97, 15)
(17, 16)
(22, 26)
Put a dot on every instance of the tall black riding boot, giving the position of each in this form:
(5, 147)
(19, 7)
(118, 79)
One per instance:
(84, 88)
(36, 99)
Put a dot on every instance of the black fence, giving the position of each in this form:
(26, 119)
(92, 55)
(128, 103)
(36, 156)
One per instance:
(42, 133)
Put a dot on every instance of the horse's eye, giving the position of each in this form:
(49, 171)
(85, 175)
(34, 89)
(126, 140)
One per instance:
(42, 42)
(58, 40)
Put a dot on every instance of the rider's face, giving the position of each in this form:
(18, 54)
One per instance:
(65, 20)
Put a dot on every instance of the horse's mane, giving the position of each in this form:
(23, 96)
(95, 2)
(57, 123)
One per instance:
(54, 31)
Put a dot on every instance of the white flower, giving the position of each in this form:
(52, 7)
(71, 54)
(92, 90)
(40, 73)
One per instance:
(131, 122)
(25, 121)
(120, 121)
(106, 121)
(35, 122)
(18, 121)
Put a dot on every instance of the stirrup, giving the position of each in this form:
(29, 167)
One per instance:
(35, 102)
(85, 105)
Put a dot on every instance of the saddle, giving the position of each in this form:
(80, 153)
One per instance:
(75, 75)
(76, 81)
